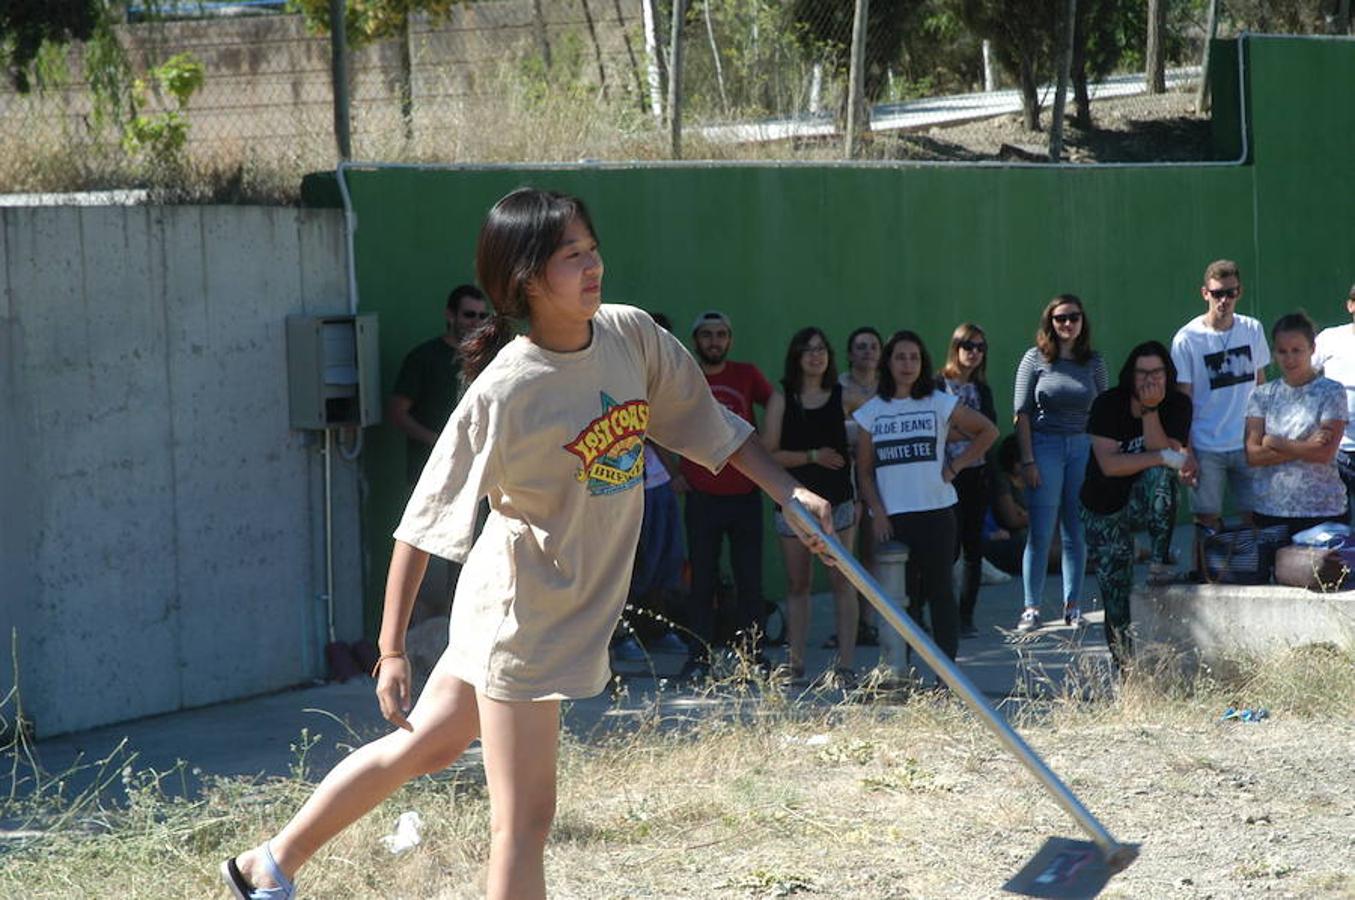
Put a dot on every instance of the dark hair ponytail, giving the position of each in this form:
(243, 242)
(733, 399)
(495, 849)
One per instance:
(516, 241)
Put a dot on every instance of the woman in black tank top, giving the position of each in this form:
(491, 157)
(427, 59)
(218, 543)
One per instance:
(805, 431)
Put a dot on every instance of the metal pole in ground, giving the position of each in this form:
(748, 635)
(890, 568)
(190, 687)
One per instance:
(1117, 856)
(338, 75)
(856, 105)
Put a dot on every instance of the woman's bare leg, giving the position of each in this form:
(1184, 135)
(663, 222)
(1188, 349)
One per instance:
(846, 610)
(799, 571)
(520, 740)
(445, 721)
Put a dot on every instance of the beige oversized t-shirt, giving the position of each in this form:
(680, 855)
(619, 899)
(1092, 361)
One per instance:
(556, 442)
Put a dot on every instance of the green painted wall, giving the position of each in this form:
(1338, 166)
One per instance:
(923, 247)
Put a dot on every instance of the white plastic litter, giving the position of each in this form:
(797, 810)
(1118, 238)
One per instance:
(1173, 458)
(406, 835)
(1327, 534)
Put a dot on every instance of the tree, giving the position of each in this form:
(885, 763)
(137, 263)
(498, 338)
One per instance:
(25, 25)
(1024, 36)
(366, 21)
(822, 25)
(1103, 34)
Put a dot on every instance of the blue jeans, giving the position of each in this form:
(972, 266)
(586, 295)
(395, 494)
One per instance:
(1062, 461)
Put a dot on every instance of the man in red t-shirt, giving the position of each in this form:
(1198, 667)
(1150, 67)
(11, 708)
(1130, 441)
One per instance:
(724, 504)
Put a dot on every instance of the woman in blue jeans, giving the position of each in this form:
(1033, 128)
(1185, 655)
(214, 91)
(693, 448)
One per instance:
(1056, 382)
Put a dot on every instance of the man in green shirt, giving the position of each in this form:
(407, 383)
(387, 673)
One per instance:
(429, 383)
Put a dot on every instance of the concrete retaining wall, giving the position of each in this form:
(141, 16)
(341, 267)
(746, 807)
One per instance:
(161, 527)
(1219, 623)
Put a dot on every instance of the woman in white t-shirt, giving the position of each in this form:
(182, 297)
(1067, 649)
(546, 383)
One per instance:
(552, 433)
(1294, 428)
(905, 478)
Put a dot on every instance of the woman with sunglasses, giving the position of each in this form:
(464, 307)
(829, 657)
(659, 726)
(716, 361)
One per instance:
(905, 477)
(1056, 382)
(805, 430)
(965, 375)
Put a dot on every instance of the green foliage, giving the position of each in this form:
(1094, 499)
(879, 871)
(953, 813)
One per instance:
(162, 136)
(369, 20)
(829, 25)
(26, 26)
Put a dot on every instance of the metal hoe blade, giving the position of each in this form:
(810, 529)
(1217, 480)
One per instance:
(1061, 864)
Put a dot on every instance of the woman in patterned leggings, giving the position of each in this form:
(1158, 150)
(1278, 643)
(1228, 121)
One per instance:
(1138, 431)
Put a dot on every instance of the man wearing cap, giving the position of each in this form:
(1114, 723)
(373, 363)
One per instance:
(723, 504)
(1335, 355)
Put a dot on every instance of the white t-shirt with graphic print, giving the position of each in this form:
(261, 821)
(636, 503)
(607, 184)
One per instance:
(1220, 367)
(908, 438)
(1335, 356)
(555, 442)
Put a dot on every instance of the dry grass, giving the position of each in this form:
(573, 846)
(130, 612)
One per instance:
(860, 800)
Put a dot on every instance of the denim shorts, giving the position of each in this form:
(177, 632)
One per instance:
(1216, 468)
(844, 517)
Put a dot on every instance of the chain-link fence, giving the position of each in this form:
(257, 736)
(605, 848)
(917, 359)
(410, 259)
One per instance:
(224, 106)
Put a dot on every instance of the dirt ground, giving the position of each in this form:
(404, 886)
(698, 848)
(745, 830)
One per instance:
(1144, 128)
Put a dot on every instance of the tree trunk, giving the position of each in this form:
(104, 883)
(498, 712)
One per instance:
(1082, 118)
(630, 55)
(715, 56)
(675, 80)
(1069, 24)
(1202, 98)
(597, 48)
(406, 76)
(1030, 94)
(857, 116)
(654, 61)
(539, 27)
(1155, 69)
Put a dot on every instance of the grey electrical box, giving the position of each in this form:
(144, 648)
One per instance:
(333, 376)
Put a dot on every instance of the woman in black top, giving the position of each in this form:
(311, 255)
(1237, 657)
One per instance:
(1139, 430)
(805, 431)
(965, 375)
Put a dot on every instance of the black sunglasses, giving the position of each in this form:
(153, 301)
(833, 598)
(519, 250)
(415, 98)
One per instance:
(973, 346)
(1222, 293)
(1067, 318)
(472, 314)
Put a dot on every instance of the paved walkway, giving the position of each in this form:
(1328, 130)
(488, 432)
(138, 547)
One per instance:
(257, 736)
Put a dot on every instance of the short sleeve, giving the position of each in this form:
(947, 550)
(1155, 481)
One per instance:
(409, 381)
(1101, 420)
(684, 415)
(1177, 414)
(1260, 350)
(945, 404)
(440, 515)
(1023, 391)
(1256, 404)
(1099, 377)
(1321, 352)
(762, 389)
(1181, 358)
(1333, 402)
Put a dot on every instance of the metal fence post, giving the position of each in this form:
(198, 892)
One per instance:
(856, 106)
(675, 80)
(891, 564)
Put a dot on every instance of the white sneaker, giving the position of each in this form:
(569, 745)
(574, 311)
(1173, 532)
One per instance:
(1030, 619)
(991, 574)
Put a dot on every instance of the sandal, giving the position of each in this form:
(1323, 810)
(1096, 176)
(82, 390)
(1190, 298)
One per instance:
(243, 890)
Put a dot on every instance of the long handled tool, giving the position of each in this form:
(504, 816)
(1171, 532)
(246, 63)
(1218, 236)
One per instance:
(1062, 867)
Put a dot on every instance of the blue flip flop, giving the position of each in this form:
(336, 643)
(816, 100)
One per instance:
(243, 890)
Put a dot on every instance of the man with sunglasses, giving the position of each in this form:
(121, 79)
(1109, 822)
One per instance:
(1220, 358)
(429, 383)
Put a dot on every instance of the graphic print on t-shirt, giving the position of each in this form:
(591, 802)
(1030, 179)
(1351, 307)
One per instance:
(904, 438)
(1229, 367)
(611, 447)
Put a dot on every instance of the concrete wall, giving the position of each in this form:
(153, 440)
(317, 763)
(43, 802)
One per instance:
(161, 532)
(1221, 624)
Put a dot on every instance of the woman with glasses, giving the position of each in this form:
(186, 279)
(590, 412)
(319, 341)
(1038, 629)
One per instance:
(1056, 382)
(965, 375)
(906, 479)
(1139, 430)
(1294, 429)
(805, 431)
